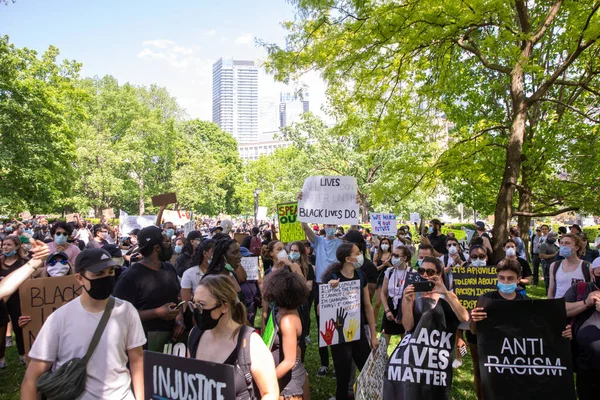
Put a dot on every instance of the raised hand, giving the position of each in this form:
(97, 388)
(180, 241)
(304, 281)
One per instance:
(340, 321)
(328, 334)
(350, 331)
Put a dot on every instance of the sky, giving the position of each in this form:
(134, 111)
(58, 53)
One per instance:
(170, 43)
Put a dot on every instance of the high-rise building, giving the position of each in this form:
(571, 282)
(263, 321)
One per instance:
(235, 98)
(291, 108)
(268, 119)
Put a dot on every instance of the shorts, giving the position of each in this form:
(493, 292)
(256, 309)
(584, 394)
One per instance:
(380, 279)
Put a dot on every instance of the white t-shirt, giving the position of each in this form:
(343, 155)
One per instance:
(191, 278)
(67, 334)
(564, 280)
(83, 234)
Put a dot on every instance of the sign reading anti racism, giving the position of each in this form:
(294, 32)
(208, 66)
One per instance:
(329, 200)
(339, 315)
(383, 224)
(420, 367)
(250, 265)
(178, 378)
(290, 228)
(522, 353)
(471, 282)
(40, 298)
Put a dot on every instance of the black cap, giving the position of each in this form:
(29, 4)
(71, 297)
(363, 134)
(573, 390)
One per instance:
(575, 226)
(56, 254)
(194, 235)
(93, 260)
(113, 250)
(213, 229)
(134, 232)
(149, 236)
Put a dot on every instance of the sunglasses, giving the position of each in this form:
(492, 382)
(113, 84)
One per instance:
(61, 234)
(426, 271)
(62, 261)
(479, 257)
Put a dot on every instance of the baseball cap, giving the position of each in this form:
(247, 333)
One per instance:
(575, 226)
(149, 236)
(56, 254)
(134, 232)
(245, 252)
(113, 250)
(93, 260)
(194, 235)
(480, 224)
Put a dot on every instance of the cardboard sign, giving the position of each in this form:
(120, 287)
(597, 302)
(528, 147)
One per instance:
(339, 316)
(164, 199)
(415, 218)
(70, 217)
(177, 378)
(127, 222)
(239, 238)
(383, 224)
(290, 229)
(471, 282)
(329, 200)
(40, 298)
(108, 213)
(522, 354)
(250, 265)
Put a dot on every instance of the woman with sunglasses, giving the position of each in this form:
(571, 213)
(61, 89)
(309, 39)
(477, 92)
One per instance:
(61, 231)
(391, 292)
(221, 336)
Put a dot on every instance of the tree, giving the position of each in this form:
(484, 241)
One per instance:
(498, 70)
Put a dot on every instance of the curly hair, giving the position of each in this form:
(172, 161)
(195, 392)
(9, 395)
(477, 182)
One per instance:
(60, 224)
(286, 289)
(266, 250)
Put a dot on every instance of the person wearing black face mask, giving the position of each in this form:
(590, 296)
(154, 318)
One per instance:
(68, 331)
(152, 285)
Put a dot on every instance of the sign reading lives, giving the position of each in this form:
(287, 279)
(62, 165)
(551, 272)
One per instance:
(329, 200)
(40, 298)
(383, 224)
(522, 354)
(290, 229)
(339, 316)
(176, 378)
(471, 282)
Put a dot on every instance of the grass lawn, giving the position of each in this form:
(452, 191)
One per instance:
(321, 388)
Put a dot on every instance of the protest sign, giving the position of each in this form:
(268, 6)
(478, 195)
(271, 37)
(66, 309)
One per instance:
(290, 229)
(339, 312)
(108, 213)
(239, 238)
(261, 215)
(415, 218)
(188, 227)
(383, 224)
(40, 298)
(178, 378)
(127, 222)
(250, 265)
(70, 217)
(420, 367)
(178, 217)
(471, 282)
(369, 385)
(522, 354)
(329, 200)
(164, 199)
(470, 233)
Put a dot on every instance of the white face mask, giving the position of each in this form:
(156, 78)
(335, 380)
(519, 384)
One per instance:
(511, 252)
(452, 250)
(282, 255)
(58, 269)
(360, 259)
(397, 261)
(385, 247)
(477, 262)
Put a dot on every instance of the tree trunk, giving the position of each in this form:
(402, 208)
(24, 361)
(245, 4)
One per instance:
(524, 206)
(141, 206)
(365, 208)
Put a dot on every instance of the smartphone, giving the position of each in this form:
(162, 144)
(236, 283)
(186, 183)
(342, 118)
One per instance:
(426, 286)
(178, 306)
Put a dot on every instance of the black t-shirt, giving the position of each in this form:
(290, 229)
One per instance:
(14, 298)
(438, 243)
(146, 289)
(342, 278)
(585, 330)
(370, 271)
(246, 242)
(310, 275)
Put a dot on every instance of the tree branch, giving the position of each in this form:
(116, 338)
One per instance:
(472, 48)
(580, 84)
(546, 214)
(552, 13)
(523, 16)
(574, 109)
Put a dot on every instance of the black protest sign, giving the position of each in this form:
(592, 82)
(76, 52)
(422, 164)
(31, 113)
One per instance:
(471, 282)
(177, 378)
(522, 354)
(420, 368)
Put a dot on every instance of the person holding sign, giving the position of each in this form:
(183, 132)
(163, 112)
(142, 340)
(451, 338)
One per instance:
(391, 293)
(222, 336)
(347, 268)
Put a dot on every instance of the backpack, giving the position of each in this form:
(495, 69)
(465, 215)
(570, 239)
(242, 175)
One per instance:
(243, 362)
(577, 321)
(585, 266)
(255, 245)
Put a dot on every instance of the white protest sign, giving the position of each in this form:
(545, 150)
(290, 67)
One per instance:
(188, 227)
(383, 224)
(339, 315)
(470, 233)
(261, 215)
(329, 200)
(127, 222)
(178, 217)
(415, 217)
(250, 265)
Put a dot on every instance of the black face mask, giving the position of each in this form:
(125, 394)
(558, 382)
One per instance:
(598, 282)
(166, 252)
(101, 288)
(204, 320)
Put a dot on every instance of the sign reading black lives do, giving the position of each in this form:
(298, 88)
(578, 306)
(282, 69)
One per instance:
(522, 354)
(177, 378)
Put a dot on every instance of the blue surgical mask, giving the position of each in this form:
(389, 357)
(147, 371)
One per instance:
(565, 251)
(294, 256)
(329, 232)
(9, 229)
(178, 249)
(430, 230)
(419, 262)
(60, 239)
(507, 288)
(9, 253)
(169, 233)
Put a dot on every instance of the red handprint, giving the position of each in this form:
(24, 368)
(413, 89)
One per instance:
(328, 334)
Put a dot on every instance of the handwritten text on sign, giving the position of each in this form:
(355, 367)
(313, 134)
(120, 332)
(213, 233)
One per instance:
(471, 282)
(250, 265)
(383, 224)
(339, 315)
(41, 297)
(290, 229)
(329, 200)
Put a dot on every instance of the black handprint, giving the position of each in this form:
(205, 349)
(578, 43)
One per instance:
(340, 320)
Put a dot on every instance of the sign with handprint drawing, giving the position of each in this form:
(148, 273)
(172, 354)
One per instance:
(339, 315)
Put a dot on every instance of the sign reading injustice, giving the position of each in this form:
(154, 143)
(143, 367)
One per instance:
(471, 282)
(329, 200)
(383, 224)
(178, 378)
(339, 315)
(290, 228)
(522, 353)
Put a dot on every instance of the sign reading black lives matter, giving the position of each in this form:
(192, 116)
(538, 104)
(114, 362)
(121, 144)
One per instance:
(177, 378)
(522, 354)
(329, 200)
(471, 282)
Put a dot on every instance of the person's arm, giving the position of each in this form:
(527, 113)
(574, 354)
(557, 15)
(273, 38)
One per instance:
(186, 295)
(263, 369)
(35, 369)
(370, 318)
(159, 215)
(552, 285)
(577, 307)
(136, 367)
(408, 304)
(288, 328)
(166, 312)
(12, 281)
(384, 295)
(310, 234)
